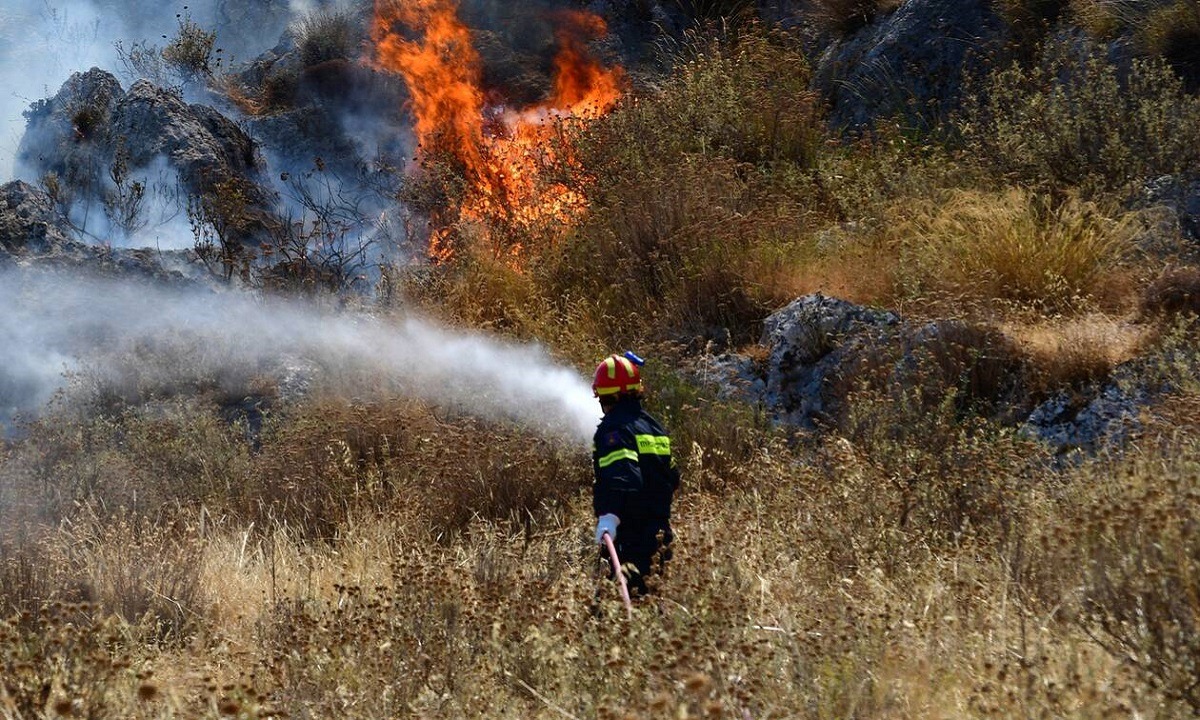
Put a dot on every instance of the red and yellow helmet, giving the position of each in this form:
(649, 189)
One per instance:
(617, 374)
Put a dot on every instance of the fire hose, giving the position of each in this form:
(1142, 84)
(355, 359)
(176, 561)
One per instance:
(616, 566)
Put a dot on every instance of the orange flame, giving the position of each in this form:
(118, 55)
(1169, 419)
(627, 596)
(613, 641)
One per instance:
(504, 160)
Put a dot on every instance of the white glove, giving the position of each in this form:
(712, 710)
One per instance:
(606, 524)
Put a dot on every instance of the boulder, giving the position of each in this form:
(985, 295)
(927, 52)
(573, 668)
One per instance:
(818, 349)
(807, 344)
(1103, 421)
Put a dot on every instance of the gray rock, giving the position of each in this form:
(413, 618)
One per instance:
(809, 341)
(818, 349)
(910, 63)
(1102, 418)
(33, 234)
(201, 144)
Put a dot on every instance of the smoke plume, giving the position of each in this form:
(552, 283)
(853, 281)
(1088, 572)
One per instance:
(53, 326)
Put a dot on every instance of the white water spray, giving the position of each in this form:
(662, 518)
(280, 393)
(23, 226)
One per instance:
(52, 323)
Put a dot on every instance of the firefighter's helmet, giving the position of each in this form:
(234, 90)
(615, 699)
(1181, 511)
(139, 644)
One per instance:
(618, 374)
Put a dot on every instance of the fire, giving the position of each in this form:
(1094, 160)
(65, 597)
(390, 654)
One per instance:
(503, 151)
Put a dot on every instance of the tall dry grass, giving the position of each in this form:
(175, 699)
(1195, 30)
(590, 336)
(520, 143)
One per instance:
(1013, 245)
(852, 577)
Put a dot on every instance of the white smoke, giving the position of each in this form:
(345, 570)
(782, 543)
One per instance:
(54, 324)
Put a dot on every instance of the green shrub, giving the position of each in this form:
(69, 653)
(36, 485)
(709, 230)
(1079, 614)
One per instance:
(1073, 120)
(1173, 32)
(693, 191)
(190, 52)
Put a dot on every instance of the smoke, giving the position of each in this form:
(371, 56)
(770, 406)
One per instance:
(56, 325)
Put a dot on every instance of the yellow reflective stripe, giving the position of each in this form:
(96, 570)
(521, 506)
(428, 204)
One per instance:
(610, 363)
(607, 390)
(615, 455)
(653, 444)
(625, 363)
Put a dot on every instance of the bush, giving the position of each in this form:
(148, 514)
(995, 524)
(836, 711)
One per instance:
(1175, 292)
(1173, 32)
(695, 192)
(325, 35)
(190, 52)
(935, 479)
(725, 12)
(1074, 120)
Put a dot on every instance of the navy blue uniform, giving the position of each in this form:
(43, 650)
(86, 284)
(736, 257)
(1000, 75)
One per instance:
(636, 479)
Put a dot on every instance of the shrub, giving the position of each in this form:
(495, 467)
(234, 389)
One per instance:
(728, 12)
(1073, 120)
(1173, 32)
(694, 191)
(1076, 353)
(221, 218)
(714, 441)
(68, 660)
(399, 457)
(1175, 292)
(746, 100)
(190, 52)
(936, 479)
(1014, 245)
(1169, 29)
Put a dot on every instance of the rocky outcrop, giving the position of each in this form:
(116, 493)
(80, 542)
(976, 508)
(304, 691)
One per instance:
(91, 127)
(34, 234)
(202, 145)
(910, 63)
(1105, 419)
(29, 223)
(810, 341)
(818, 349)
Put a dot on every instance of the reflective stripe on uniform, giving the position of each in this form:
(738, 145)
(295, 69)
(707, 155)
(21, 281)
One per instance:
(615, 455)
(653, 444)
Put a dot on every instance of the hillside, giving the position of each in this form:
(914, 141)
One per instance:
(294, 359)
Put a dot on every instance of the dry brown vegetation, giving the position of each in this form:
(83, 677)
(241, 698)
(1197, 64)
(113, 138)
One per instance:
(918, 557)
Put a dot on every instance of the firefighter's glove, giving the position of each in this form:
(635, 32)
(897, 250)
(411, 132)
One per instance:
(606, 524)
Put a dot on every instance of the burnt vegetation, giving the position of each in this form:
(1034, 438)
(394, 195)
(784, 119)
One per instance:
(210, 549)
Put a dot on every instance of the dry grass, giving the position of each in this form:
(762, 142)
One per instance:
(843, 17)
(866, 576)
(918, 559)
(1073, 352)
(1012, 246)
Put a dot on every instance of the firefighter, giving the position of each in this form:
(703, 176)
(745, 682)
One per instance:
(636, 476)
